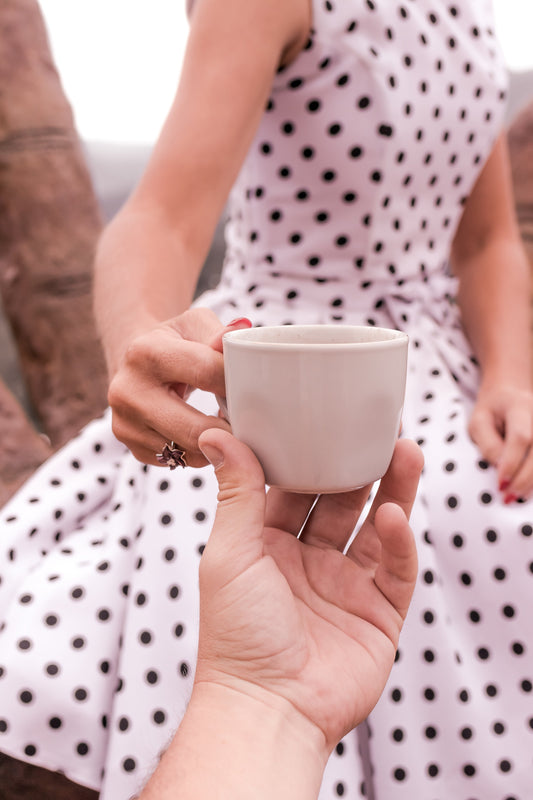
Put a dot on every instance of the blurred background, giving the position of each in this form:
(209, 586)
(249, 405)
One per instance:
(120, 61)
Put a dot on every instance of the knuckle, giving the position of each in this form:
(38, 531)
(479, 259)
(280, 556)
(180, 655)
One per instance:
(143, 354)
(118, 396)
(190, 434)
(210, 369)
(197, 324)
(114, 394)
(522, 438)
(140, 455)
(120, 431)
(205, 369)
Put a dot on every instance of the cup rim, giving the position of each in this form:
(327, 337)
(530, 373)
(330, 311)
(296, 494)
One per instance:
(246, 337)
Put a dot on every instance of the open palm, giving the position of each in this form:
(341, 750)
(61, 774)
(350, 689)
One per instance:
(296, 617)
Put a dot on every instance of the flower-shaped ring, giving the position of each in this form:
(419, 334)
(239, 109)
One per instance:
(172, 456)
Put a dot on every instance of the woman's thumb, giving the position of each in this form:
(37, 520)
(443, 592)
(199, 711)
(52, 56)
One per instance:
(236, 537)
(235, 325)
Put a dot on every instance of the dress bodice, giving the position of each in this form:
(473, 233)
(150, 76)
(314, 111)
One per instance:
(370, 143)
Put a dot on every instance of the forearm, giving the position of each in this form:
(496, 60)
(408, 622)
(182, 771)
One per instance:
(230, 746)
(494, 297)
(144, 274)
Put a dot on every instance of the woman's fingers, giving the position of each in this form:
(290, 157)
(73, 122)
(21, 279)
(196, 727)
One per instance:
(235, 325)
(485, 434)
(158, 372)
(163, 358)
(158, 416)
(197, 325)
(515, 467)
(502, 428)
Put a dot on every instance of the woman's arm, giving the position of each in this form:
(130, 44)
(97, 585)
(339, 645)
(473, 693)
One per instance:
(491, 264)
(150, 256)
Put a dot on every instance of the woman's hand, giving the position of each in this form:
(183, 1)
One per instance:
(502, 427)
(159, 370)
(292, 622)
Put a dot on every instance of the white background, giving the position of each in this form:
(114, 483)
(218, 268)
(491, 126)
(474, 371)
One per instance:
(119, 60)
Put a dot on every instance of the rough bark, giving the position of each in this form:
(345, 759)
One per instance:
(49, 223)
(22, 449)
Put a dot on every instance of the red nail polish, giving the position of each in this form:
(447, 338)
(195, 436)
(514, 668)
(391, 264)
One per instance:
(510, 498)
(504, 484)
(240, 321)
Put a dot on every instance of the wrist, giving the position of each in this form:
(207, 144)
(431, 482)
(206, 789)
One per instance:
(116, 339)
(284, 727)
(237, 741)
(506, 376)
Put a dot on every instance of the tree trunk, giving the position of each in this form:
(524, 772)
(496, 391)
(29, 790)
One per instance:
(22, 448)
(49, 224)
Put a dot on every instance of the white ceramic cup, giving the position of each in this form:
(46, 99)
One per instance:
(319, 405)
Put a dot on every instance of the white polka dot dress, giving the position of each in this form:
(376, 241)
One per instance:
(344, 211)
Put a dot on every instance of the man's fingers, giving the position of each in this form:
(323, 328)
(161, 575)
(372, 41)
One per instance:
(398, 486)
(287, 510)
(400, 482)
(397, 570)
(333, 519)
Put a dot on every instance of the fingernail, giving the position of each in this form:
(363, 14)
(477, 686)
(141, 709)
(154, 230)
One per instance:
(504, 484)
(510, 498)
(243, 322)
(213, 455)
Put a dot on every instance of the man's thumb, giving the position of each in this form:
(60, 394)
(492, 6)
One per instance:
(236, 537)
